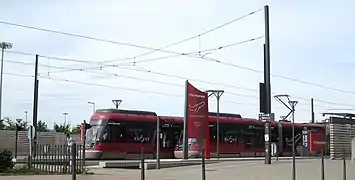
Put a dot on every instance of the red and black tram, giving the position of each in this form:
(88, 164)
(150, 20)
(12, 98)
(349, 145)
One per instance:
(119, 134)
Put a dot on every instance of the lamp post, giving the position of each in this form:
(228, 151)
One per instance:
(3, 46)
(93, 106)
(26, 118)
(116, 103)
(65, 117)
(218, 94)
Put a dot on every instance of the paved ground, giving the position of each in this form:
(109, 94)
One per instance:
(244, 170)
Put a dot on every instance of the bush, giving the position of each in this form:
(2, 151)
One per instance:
(6, 162)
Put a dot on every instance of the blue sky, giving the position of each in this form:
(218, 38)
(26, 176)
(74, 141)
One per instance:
(309, 41)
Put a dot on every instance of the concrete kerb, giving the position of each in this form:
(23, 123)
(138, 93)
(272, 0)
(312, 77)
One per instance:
(169, 163)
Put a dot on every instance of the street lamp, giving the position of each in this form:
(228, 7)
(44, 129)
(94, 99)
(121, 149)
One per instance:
(65, 117)
(116, 103)
(3, 46)
(217, 94)
(93, 105)
(26, 117)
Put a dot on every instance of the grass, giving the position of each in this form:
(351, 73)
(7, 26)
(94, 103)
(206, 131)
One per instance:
(24, 170)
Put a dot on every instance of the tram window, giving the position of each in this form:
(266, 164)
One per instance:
(253, 136)
(113, 132)
(128, 131)
(274, 134)
(287, 136)
(168, 135)
(138, 131)
(229, 133)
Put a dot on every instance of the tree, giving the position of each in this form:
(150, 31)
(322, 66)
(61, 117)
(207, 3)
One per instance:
(11, 125)
(2, 124)
(76, 130)
(63, 128)
(41, 126)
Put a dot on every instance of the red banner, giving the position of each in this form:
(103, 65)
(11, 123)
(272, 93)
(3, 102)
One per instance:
(316, 141)
(197, 118)
(82, 133)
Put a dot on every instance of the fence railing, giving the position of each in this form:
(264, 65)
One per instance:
(57, 158)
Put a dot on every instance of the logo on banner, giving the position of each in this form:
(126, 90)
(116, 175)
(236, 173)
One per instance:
(197, 107)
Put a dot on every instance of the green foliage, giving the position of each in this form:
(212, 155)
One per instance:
(63, 128)
(2, 124)
(76, 130)
(6, 162)
(42, 126)
(24, 170)
(11, 124)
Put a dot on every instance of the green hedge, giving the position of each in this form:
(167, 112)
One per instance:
(6, 162)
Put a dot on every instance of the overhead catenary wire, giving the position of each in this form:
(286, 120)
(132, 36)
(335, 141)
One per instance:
(101, 39)
(177, 54)
(161, 49)
(166, 51)
(155, 49)
(52, 57)
(118, 75)
(109, 86)
(276, 75)
(127, 89)
(196, 36)
(103, 72)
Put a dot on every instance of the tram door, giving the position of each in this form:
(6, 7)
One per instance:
(166, 135)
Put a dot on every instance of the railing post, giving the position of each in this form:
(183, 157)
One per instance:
(203, 165)
(322, 166)
(142, 163)
(73, 161)
(16, 142)
(344, 165)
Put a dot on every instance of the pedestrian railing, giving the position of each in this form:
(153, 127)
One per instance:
(62, 159)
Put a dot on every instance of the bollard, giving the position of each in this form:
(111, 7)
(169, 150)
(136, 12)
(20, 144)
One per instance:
(73, 161)
(322, 166)
(344, 165)
(203, 165)
(142, 163)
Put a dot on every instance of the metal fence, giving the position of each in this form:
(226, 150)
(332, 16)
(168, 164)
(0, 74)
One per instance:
(61, 159)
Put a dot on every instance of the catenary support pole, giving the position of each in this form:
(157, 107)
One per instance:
(293, 149)
(267, 83)
(293, 104)
(1, 77)
(312, 111)
(84, 146)
(35, 101)
(158, 144)
(185, 135)
(217, 94)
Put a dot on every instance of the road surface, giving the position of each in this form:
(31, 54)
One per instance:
(243, 170)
